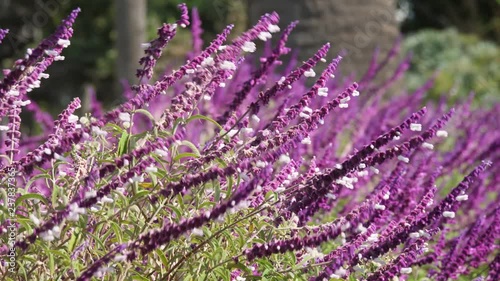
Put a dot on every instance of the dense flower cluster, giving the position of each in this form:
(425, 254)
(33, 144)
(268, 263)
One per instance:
(225, 170)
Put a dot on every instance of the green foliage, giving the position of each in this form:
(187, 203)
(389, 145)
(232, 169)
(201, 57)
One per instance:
(464, 63)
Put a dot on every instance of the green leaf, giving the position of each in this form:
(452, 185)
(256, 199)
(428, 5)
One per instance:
(31, 196)
(198, 116)
(184, 155)
(217, 191)
(139, 195)
(123, 144)
(117, 231)
(140, 278)
(162, 257)
(241, 266)
(145, 113)
(55, 193)
(72, 241)
(115, 128)
(51, 263)
(191, 146)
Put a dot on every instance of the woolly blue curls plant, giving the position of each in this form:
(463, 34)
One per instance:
(225, 170)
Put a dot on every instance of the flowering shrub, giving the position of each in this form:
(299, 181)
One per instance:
(220, 170)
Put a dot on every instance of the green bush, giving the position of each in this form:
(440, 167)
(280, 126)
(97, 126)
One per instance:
(464, 63)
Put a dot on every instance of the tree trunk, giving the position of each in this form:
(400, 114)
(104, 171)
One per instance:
(131, 28)
(354, 26)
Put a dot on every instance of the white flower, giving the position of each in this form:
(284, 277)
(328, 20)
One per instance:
(124, 116)
(13, 93)
(255, 118)
(35, 220)
(355, 93)
(247, 131)
(232, 133)
(304, 115)
(59, 58)
(346, 99)
(95, 208)
(136, 179)
(372, 238)
(386, 196)
(222, 85)
(442, 134)
(463, 197)
(310, 73)
(405, 270)
(343, 105)
(228, 65)
(4, 128)
(161, 152)
(260, 164)
(273, 28)
(151, 169)
(207, 62)
(72, 118)
(51, 53)
(448, 214)
(323, 92)
(145, 45)
(266, 133)
(96, 130)
(249, 47)
(56, 231)
(403, 159)
(306, 141)
(331, 196)
(47, 236)
(427, 146)
(361, 228)
(90, 194)
(379, 207)
(341, 272)
(84, 120)
(119, 258)
(282, 79)
(414, 235)
(197, 232)
(284, 159)
(416, 127)
(63, 42)
(264, 36)
(106, 199)
(307, 109)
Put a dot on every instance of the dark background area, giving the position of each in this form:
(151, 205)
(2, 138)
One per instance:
(457, 37)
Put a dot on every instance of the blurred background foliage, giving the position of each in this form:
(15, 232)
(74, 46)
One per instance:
(464, 64)
(457, 37)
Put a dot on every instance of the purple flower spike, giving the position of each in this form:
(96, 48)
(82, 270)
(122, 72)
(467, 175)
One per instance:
(53, 43)
(196, 32)
(3, 33)
(184, 20)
